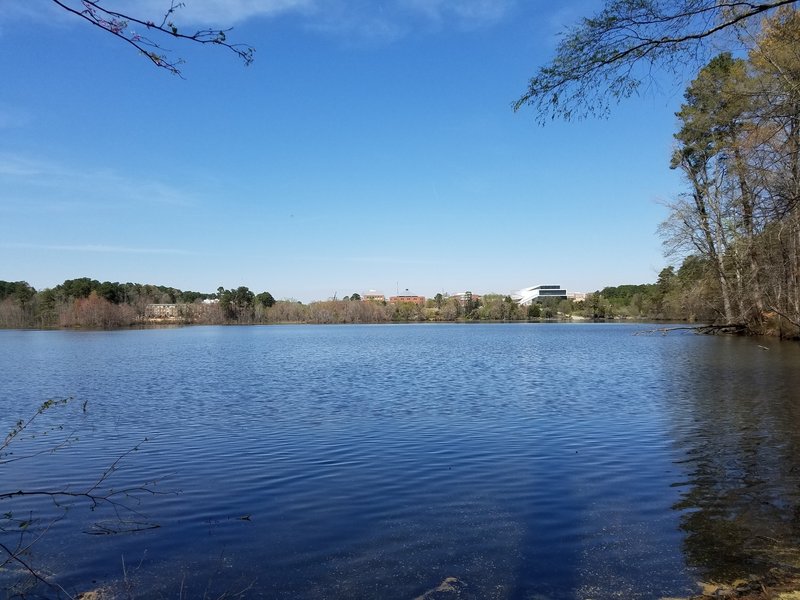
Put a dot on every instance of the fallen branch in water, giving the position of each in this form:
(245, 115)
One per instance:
(729, 329)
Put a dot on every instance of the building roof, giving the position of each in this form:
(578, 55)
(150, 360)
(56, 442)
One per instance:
(536, 292)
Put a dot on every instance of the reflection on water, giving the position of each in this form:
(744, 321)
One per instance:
(736, 420)
(527, 461)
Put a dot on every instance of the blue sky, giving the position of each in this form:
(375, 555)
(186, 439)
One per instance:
(371, 145)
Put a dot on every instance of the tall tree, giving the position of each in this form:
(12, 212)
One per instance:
(739, 148)
(776, 63)
(265, 299)
(237, 304)
(708, 218)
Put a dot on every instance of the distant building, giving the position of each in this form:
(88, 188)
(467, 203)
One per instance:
(537, 293)
(418, 300)
(465, 297)
(161, 311)
(577, 296)
(374, 296)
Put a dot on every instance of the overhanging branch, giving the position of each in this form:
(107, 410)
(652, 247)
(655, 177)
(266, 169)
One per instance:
(118, 24)
(594, 62)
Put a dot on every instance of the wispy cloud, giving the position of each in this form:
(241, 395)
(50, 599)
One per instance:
(15, 166)
(24, 9)
(236, 11)
(369, 260)
(393, 19)
(341, 18)
(223, 13)
(94, 182)
(92, 248)
(11, 117)
(462, 13)
(370, 19)
(567, 15)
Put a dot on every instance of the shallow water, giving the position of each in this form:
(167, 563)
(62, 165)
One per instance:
(527, 460)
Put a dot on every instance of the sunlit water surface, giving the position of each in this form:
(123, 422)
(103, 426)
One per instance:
(526, 460)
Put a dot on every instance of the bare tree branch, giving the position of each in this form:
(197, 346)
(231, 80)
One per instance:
(119, 24)
(17, 558)
(596, 62)
(21, 426)
(97, 494)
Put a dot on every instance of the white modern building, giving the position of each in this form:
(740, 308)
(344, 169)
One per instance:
(537, 293)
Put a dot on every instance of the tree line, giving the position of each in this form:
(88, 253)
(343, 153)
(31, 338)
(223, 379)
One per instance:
(738, 148)
(88, 303)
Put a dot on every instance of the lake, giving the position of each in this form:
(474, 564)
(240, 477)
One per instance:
(526, 460)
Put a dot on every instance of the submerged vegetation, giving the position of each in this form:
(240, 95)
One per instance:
(29, 514)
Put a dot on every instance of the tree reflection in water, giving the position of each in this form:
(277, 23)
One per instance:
(737, 423)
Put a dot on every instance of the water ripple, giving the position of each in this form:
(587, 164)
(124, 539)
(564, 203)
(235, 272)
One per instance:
(529, 461)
